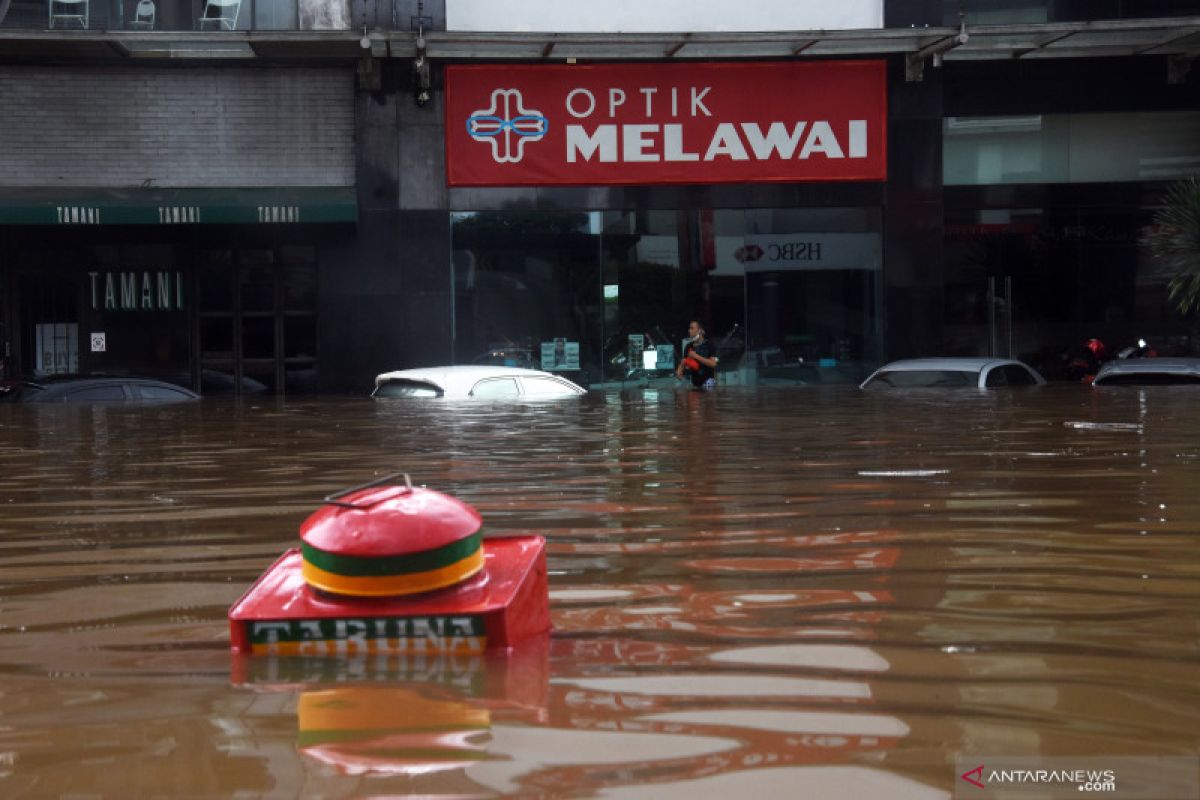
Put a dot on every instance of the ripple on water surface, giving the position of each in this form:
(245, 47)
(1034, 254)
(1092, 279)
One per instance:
(752, 590)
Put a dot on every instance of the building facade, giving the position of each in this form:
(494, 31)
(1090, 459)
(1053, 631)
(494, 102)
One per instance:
(301, 195)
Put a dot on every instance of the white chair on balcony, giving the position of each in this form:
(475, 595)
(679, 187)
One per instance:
(143, 16)
(66, 10)
(223, 14)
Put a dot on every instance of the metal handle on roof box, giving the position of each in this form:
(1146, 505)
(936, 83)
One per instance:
(332, 499)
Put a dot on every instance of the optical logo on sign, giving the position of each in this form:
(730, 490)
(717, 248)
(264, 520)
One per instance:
(507, 125)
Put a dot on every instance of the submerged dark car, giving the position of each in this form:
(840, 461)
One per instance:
(94, 389)
(1149, 372)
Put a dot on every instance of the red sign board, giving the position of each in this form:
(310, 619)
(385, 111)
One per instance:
(530, 125)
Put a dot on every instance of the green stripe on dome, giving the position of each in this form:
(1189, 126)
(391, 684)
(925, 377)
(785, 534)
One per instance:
(373, 566)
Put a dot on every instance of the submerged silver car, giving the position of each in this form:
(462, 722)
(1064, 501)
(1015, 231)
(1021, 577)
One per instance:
(1149, 372)
(475, 380)
(961, 373)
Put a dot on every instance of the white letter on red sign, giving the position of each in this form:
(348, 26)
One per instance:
(649, 92)
(725, 142)
(697, 101)
(777, 138)
(673, 145)
(821, 140)
(636, 138)
(591, 104)
(604, 140)
(616, 97)
(858, 138)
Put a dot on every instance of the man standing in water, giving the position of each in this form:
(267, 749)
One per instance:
(699, 358)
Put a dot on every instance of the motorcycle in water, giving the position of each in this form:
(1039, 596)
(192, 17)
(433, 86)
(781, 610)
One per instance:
(1142, 349)
(1086, 362)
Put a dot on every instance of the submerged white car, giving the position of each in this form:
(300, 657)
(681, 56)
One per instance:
(475, 380)
(1149, 372)
(941, 373)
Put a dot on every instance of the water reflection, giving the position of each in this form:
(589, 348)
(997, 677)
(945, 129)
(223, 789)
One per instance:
(757, 591)
(389, 731)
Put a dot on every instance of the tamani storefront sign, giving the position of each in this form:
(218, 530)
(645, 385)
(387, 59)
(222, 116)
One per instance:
(532, 125)
(137, 291)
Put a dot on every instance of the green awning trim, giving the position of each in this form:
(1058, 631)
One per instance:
(200, 206)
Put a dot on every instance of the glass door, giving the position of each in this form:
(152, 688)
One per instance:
(813, 293)
(257, 321)
(50, 337)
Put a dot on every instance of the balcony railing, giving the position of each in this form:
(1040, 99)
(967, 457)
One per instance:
(199, 15)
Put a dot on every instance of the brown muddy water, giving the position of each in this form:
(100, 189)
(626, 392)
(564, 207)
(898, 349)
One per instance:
(777, 592)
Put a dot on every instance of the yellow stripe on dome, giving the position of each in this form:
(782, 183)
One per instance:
(388, 585)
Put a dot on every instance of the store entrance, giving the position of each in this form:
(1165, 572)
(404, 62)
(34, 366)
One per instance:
(789, 295)
(49, 338)
(813, 290)
(806, 321)
(256, 324)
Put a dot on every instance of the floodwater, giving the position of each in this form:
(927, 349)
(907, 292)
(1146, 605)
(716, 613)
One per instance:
(756, 592)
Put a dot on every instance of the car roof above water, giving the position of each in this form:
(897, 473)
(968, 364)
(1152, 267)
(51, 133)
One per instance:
(458, 380)
(55, 388)
(947, 364)
(1170, 370)
(953, 371)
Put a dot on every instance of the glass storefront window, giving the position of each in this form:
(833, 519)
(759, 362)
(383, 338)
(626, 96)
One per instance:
(279, 15)
(525, 278)
(257, 322)
(1015, 149)
(1070, 148)
(813, 291)
(1037, 283)
(1009, 12)
(606, 297)
(653, 287)
(994, 12)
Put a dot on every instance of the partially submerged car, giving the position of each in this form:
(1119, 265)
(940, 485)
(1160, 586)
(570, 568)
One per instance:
(1149, 372)
(477, 381)
(960, 373)
(89, 389)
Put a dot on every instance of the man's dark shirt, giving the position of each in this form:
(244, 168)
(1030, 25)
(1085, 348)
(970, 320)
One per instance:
(707, 350)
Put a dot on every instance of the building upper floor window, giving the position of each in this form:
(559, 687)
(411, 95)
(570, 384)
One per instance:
(1008, 12)
(1070, 148)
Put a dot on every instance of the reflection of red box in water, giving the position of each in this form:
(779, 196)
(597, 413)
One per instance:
(506, 602)
(407, 714)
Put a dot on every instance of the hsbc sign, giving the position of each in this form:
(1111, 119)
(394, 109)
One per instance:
(801, 251)
(666, 123)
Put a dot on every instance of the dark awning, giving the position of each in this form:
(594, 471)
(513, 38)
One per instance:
(200, 206)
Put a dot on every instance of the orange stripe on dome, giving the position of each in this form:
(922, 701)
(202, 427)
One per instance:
(391, 585)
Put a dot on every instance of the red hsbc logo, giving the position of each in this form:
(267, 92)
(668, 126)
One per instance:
(750, 252)
(666, 123)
